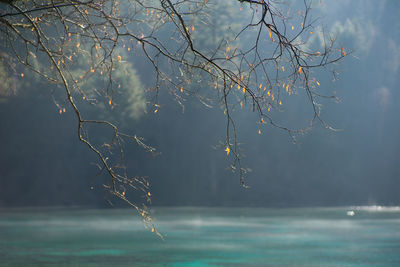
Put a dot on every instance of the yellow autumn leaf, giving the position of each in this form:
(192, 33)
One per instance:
(259, 131)
(292, 27)
(241, 104)
(149, 194)
(280, 102)
(318, 83)
(244, 90)
(300, 70)
(109, 102)
(270, 32)
(283, 68)
(181, 89)
(228, 150)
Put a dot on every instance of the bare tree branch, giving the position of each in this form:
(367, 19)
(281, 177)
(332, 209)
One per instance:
(267, 58)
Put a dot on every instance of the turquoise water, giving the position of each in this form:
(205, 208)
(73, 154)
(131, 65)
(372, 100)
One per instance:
(363, 236)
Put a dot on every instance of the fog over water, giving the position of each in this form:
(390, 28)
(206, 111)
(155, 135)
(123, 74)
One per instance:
(43, 164)
(201, 237)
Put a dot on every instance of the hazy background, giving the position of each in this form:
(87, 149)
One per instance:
(43, 163)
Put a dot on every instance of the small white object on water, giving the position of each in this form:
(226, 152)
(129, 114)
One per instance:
(350, 213)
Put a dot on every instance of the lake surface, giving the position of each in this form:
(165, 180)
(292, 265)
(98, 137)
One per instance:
(346, 236)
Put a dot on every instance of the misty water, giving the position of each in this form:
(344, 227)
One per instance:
(346, 236)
